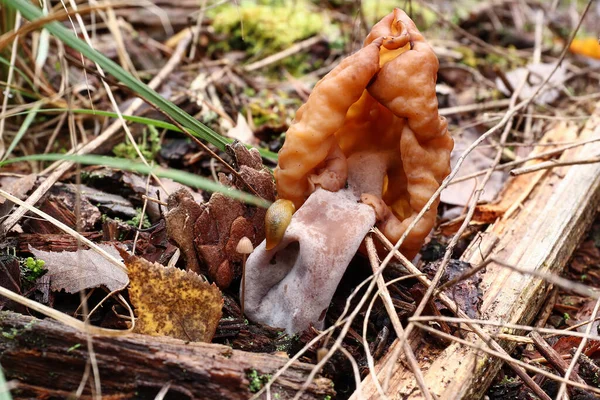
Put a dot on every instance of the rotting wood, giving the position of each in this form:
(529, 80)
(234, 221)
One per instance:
(47, 359)
(540, 236)
(553, 357)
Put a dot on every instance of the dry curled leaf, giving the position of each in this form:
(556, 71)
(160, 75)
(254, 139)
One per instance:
(172, 302)
(460, 194)
(77, 270)
(208, 233)
(535, 74)
(242, 131)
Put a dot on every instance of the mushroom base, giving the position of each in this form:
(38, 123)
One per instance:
(291, 286)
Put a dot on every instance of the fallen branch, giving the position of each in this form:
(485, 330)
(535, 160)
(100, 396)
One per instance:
(47, 359)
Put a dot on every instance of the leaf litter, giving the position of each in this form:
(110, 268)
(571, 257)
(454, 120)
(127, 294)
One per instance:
(172, 302)
(216, 234)
(73, 271)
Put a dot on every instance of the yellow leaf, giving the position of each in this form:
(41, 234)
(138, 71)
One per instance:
(172, 302)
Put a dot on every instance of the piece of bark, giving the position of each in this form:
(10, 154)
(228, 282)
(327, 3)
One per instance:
(47, 359)
(10, 278)
(552, 356)
(53, 241)
(61, 203)
(208, 234)
(539, 236)
(587, 368)
(18, 187)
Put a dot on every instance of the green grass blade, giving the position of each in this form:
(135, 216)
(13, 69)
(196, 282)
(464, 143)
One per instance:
(183, 177)
(31, 12)
(17, 70)
(269, 155)
(23, 129)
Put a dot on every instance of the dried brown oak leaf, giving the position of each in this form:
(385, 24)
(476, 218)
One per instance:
(83, 269)
(172, 302)
(208, 233)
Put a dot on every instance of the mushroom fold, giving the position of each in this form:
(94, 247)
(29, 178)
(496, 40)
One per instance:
(369, 146)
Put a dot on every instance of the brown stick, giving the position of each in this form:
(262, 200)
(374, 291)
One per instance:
(553, 357)
(389, 306)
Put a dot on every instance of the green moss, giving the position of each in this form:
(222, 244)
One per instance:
(374, 10)
(135, 221)
(32, 269)
(263, 28)
(268, 108)
(506, 380)
(268, 27)
(11, 334)
(149, 146)
(257, 381)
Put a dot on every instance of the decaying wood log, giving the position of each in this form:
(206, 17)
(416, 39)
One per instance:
(46, 359)
(539, 236)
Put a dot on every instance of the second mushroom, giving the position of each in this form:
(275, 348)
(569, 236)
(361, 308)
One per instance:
(368, 147)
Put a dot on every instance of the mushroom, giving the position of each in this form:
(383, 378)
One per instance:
(244, 247)
(369, 146)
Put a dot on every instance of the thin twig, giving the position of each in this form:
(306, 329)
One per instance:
(154, 200)
(66, 229)
(510, 164)
(552, 164)
(484, 336)
(199, 20)
(505, 357)
(454, 241)
(553, 357)
(584, 341)
(341, 321)
(575, 287)
(506, 119)
(389, 306)
(368, 355)
(548, 333)
(11, 69)
(296, 48)
(62, 317)
(60, 15)
(473, 107)
(186, 132)
(480, 42)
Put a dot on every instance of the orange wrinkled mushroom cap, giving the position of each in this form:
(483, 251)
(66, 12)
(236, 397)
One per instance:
(380, 100)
